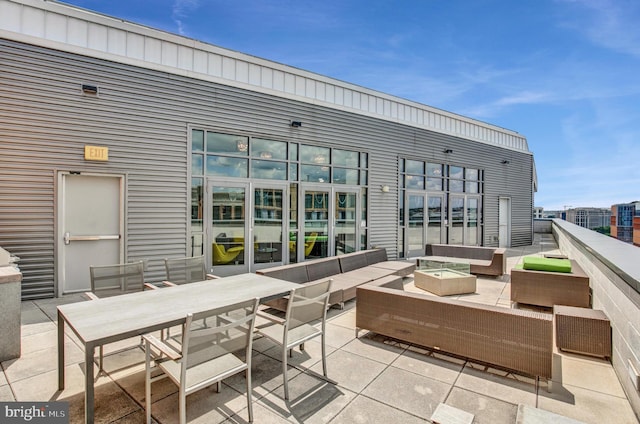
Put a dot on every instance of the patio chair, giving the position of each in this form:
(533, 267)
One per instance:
(222, 256)
(186, 270)
(113, 280)
(206, 355)
(306, 305)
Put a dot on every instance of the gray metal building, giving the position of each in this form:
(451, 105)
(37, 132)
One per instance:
(119, 142)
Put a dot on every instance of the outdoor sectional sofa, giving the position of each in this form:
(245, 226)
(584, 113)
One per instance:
(548, 288)
(347, 271)
(482, 260)
(511, 339)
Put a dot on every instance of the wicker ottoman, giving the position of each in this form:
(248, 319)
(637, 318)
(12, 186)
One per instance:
(582, 330)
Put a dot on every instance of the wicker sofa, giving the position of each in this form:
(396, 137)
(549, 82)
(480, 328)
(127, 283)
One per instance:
(482, 260)
(347, 271)
(512, 339)
(546, 288)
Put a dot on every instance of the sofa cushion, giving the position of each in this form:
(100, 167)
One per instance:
(352, 261)
(322, 268)
(535, 263)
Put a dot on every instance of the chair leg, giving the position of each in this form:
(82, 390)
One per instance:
(284, 373)
(324, 357)
(249, 396)
(183, 406)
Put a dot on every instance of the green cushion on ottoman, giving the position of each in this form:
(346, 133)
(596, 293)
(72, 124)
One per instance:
(535, 263)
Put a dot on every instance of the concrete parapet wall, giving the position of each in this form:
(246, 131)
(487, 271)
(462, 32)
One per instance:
(615, 291)
(542, 226)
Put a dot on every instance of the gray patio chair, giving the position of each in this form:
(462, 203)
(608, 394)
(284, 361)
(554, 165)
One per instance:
(206, 355)
(306, 305)
(113, 280)
(186, 270)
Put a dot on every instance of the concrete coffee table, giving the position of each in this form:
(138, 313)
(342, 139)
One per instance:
(444, 281)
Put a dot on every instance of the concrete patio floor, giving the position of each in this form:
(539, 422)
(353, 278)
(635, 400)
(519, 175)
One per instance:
(377, 379)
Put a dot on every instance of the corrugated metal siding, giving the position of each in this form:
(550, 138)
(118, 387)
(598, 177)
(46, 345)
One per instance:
(75, 30)
(142, 115)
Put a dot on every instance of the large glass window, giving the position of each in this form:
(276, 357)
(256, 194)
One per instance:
(224, 155)
(454, 196)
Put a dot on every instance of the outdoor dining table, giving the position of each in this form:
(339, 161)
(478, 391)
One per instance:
(102, 321)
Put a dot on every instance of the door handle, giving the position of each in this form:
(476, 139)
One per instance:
(68, 238)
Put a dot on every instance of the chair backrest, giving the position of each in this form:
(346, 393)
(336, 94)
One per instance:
(204, 343)
(111, 280)
(307, 303)
(185, 270)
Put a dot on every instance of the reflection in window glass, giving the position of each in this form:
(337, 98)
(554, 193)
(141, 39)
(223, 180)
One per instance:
(471, 187)
(414, 167)
(434, 169)
(345, 158)
(312, 173)
(293, 151)
(364, 209)
(197, 140)
(363, 177)
(227, 143)
(227, 167)
(267, 169)
(455, 186)
(434, 184)
(197, 165)
(471, 174)
(364, 160)
(455, 172)
(268, 149)
(314, 154)
(293, 172)
(345, 176)
(414, 181)
(196, 204)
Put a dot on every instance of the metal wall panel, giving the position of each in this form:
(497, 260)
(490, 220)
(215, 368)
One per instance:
(61, 26)
(143, 115)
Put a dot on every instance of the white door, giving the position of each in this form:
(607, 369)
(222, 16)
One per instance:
(504, 222)
(90, 227)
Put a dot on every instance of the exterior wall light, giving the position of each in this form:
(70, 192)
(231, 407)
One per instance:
(385, 188)
(448, 151)
(89, 89)
(296, 124)
(505, 162)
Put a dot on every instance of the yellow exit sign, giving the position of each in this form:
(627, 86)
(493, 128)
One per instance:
(96, 153)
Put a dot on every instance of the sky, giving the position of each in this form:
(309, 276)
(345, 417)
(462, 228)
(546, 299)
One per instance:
(563, 73)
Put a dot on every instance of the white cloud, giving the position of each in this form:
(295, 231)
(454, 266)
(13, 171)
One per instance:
(612, 24)
(181, 10)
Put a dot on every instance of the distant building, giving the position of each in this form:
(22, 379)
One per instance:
(538, 212)
(589, 217)
(623, 216)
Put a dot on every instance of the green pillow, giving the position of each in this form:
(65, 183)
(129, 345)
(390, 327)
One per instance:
(535, 263)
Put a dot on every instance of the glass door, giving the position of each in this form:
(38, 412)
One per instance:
(346, 221)
(472, 221)
(315, 224)
(436, 218)
(268, 226)
(456, 224)
(228, 227)
(415, 229)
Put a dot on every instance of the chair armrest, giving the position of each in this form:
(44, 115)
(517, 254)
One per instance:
(169, 284)
(162, 347)
(212, 277)
(270, 317)
(91, 296)
(150, 286)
